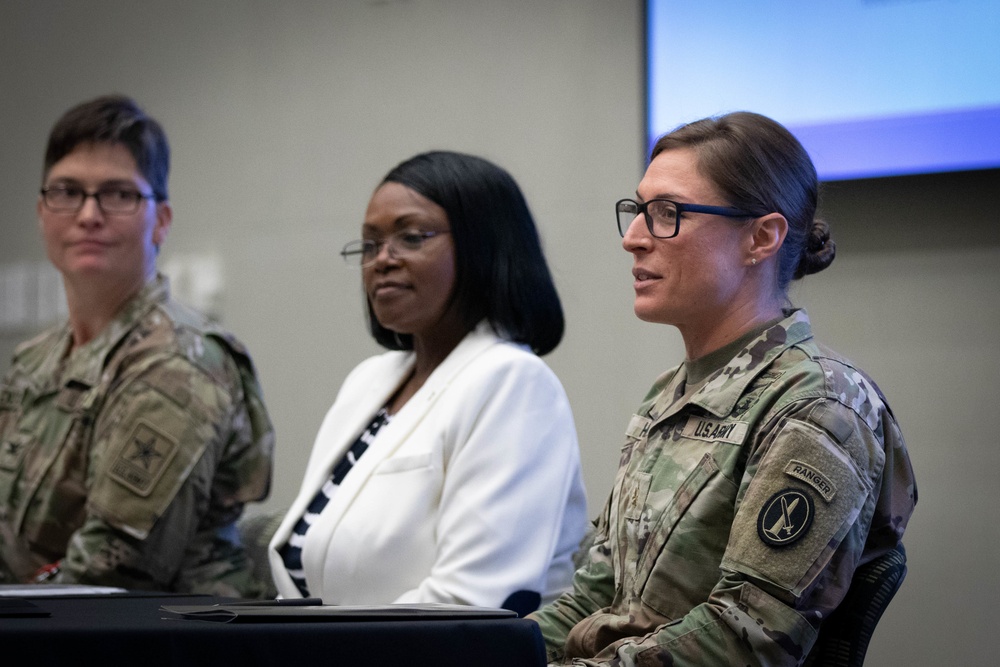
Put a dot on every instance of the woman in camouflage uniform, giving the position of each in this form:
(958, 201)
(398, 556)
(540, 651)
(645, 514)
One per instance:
(760, 473)
(132, 434)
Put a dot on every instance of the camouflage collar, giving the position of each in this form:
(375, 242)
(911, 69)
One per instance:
(722, 389)
(86, 363)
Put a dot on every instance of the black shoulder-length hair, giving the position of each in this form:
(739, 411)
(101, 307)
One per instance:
(500, 274)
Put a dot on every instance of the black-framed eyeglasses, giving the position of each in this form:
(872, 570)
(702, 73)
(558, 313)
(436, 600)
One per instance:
(402, 244)
(663, 215)
(70, 199)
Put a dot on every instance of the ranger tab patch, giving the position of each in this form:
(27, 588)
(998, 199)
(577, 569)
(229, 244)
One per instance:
(143, 458)
(813, 477)
(785, 518)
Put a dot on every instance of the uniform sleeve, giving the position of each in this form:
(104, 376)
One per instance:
(803, 515)
(593, 589)
(513, 493)
(171, 456)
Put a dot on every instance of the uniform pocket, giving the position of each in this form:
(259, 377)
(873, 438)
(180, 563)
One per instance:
(690, 534)
(13, 449)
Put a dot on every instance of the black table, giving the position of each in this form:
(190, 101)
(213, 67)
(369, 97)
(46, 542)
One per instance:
(132, 630)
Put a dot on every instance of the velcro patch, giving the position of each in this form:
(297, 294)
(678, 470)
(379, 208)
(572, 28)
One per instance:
(638, 427)
(10, 399)
(143, 458)
(69, 396)
(11, 454)
(785, 518)
(813, 477)
(714, 430)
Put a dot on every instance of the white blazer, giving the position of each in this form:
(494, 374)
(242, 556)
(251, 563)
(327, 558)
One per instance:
(473, 491)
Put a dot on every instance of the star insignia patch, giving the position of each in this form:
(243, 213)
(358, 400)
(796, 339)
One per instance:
(11, 454)
(143, 458)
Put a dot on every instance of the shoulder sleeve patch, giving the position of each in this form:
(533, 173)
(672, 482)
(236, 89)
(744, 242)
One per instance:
(145, 451)
(781, 533)
(785, 518)
(143, 456)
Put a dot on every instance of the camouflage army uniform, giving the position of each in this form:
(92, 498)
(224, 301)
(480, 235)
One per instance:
(130, 460)
(742, 505)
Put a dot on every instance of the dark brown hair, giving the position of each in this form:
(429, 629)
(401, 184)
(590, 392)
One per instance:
(114, 119)
(760, 167)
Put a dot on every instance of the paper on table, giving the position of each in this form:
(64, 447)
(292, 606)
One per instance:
(276, 611)
(55, 590)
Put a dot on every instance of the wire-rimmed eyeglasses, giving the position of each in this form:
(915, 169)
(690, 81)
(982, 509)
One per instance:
(400, 245)
(663, 215)
(116, 201)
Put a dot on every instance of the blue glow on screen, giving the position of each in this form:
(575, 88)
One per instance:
(870, 87)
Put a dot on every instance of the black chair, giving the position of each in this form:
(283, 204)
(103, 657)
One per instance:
(255, 532)
(844, 636)
(522, 602)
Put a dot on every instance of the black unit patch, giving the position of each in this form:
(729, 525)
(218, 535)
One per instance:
(785, 517)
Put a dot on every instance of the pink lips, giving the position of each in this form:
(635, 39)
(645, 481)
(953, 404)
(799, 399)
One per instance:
(89, 244)
(643, 277)
(387, 288)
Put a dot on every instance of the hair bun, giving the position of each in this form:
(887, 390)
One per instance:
(818, 251)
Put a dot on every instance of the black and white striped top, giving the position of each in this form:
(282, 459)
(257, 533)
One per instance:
(291, 553)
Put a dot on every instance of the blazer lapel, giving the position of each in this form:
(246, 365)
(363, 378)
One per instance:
(353, 414)
(391, 437)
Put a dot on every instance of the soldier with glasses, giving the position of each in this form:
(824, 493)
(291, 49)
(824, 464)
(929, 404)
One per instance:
(132, 434)
(756, 476)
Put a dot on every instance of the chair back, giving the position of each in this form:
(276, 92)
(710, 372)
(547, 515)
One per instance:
(255, 533)
(522, 602)
(844, 636)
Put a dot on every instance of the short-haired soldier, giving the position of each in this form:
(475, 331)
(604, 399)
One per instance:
(132, 435)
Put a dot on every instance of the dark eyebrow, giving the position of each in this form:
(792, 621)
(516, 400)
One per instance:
(669, 196)
(406, 220)
(63, 181)
(113, 183)
(118, 183)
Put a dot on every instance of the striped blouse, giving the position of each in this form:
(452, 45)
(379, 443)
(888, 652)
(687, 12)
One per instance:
(291, 552)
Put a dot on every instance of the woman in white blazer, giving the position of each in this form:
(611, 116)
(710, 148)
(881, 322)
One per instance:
(447, 469)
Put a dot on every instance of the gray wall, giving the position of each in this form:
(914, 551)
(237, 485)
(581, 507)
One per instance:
(283, 117)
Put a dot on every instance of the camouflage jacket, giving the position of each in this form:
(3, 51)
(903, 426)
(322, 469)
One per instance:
(741, 508)
(129, 460)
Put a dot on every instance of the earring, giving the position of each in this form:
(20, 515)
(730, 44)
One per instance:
(753, 261)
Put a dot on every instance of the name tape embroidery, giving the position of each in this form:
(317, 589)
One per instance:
(814, 478)
(714, 430)
(638, 427)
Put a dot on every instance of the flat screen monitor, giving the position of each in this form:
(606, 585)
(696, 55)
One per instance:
(870, 87)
